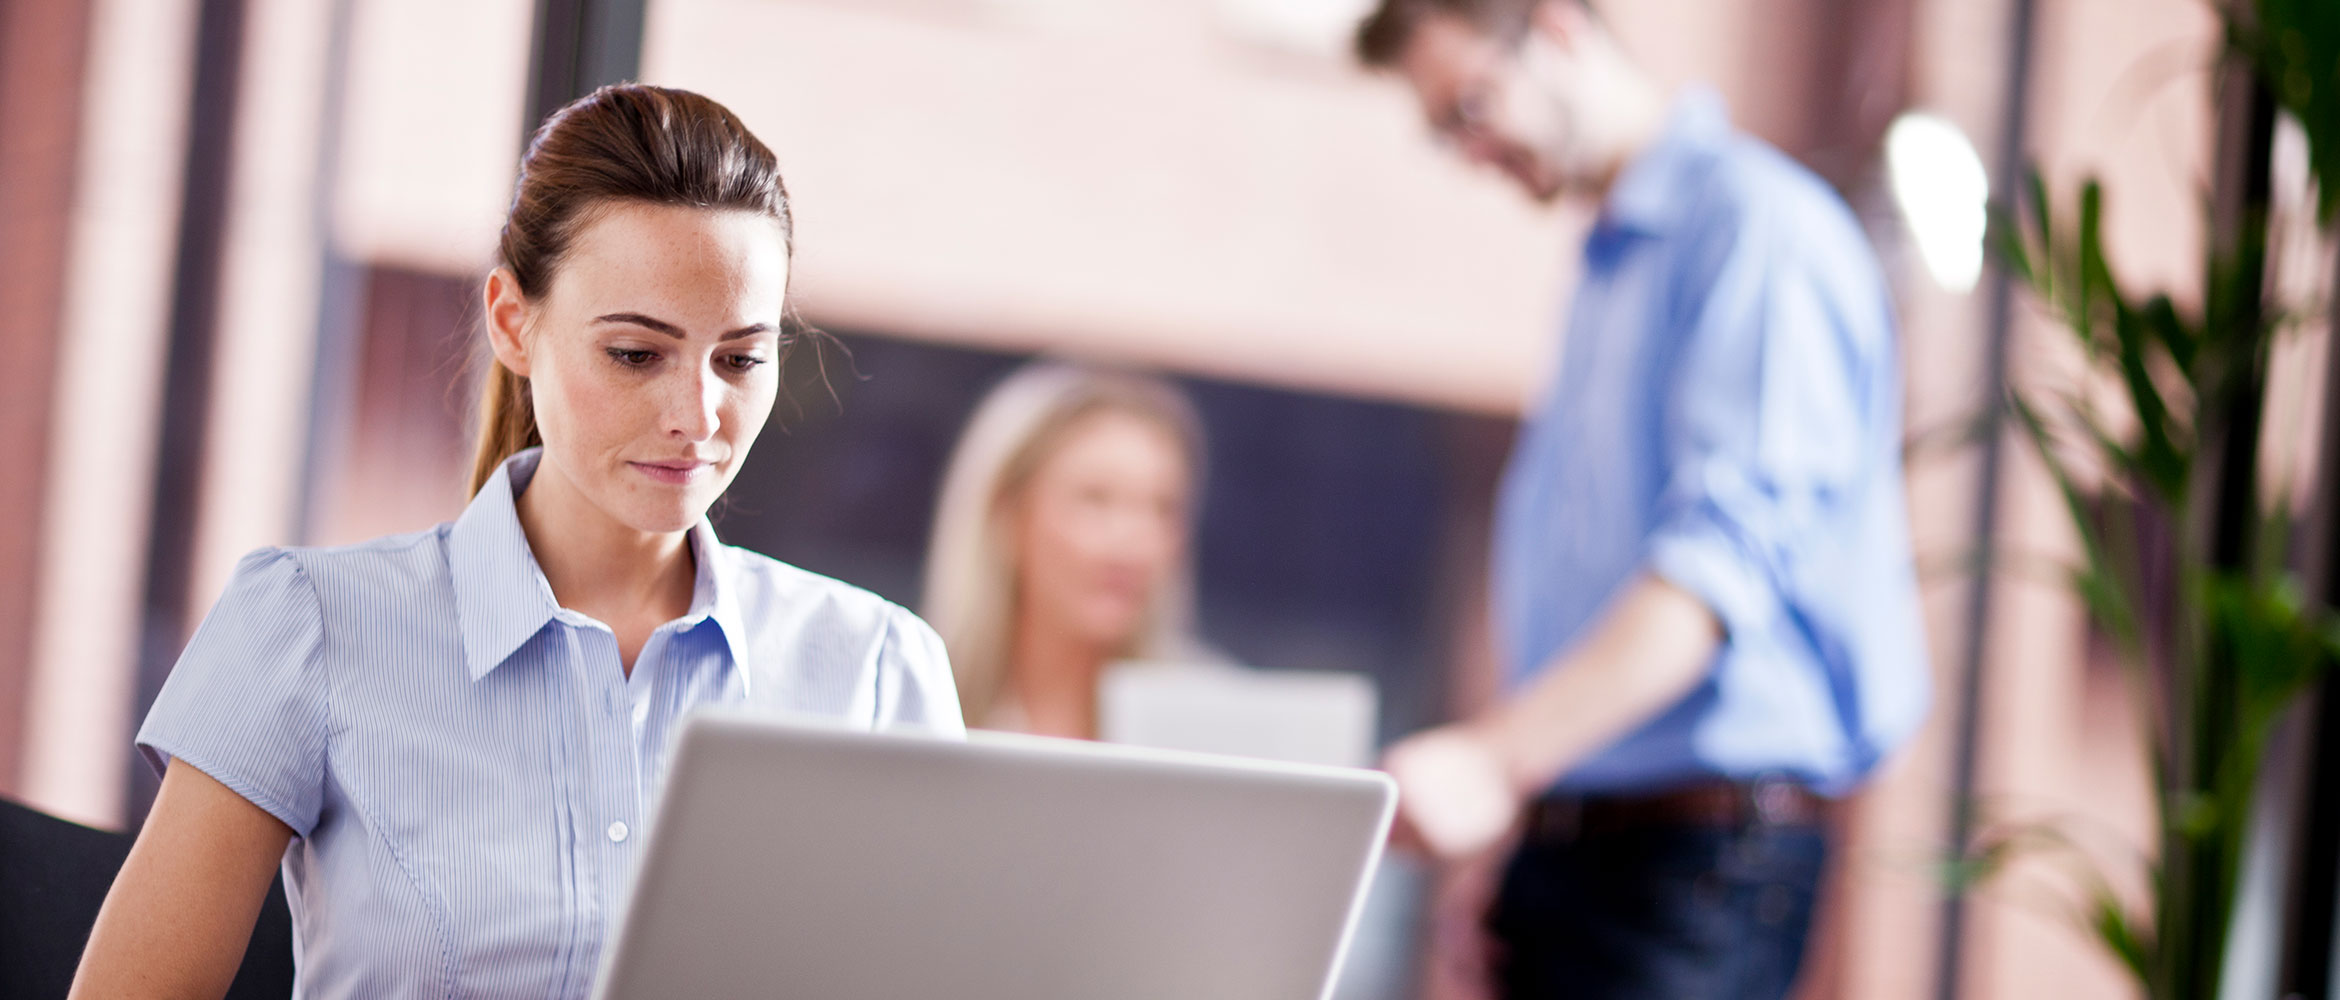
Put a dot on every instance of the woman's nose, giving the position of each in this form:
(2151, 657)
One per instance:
(1139, 529)
(693, 410)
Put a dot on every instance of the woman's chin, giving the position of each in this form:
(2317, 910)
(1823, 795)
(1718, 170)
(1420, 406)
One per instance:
(1117, 631)
(658, 515)
(664, 520)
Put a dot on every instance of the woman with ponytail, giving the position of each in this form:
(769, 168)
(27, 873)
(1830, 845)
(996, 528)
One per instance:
(450, 740)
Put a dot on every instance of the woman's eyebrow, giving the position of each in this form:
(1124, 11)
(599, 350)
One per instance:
(671, 330)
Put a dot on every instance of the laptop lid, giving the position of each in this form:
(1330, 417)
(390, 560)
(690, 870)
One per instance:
(802, 860)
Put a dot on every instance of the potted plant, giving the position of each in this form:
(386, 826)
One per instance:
(2185, 559)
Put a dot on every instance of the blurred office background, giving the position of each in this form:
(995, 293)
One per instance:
(240, 243)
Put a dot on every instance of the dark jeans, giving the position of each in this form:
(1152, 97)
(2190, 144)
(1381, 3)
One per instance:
(1671, 912)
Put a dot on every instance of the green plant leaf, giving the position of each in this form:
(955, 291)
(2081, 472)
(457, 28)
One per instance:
(2107, 598)
(2176, 337)
(2294, 47)
(2120, 934)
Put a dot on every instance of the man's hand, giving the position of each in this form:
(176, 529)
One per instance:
(1461, 786)
(1455, 797)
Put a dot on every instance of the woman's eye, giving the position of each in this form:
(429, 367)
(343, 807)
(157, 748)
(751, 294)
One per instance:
(744, 363)
(632, 359)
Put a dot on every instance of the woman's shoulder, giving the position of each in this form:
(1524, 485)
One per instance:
(771, 590)
(791, 615)
(820, 645)
(374, 554)
(401, 562)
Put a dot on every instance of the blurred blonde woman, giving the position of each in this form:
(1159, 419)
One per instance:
(1061, 541)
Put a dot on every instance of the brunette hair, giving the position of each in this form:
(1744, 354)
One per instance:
(1383, 35)
(623, 142)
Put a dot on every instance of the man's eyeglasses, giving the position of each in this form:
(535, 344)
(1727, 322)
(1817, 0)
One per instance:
(1467, 115)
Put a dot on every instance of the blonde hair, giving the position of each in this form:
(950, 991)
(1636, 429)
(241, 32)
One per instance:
(971, 567)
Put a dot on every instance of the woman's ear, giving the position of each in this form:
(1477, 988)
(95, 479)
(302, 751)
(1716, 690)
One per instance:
(507, 321)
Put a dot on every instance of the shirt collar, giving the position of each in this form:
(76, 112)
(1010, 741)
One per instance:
(715, 597)
(1647, 196)
(502, 599)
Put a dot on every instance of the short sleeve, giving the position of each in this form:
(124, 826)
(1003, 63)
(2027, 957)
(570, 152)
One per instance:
(1765, 429)
(914, 681)
(246, 702)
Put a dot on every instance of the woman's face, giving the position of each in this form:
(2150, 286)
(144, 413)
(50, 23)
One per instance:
(650, 357)
(1101, 526)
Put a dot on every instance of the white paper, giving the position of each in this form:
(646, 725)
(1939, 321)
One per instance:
(1307, 717)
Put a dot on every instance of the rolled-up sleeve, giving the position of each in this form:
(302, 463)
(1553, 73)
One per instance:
(1763, 432)
(914, 681)
(247, 701)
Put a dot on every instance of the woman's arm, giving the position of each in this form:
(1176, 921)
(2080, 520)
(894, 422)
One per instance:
(181, 912)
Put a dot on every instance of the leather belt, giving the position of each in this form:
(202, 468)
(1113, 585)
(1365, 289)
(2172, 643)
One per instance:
(1726, 804)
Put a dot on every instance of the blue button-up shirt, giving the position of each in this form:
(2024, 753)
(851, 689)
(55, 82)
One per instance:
(1727, 417)
(467, 768)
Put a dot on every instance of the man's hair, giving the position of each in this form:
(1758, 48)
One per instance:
(1382, 37)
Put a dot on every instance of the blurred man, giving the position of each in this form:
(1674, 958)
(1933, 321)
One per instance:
(1702, 579)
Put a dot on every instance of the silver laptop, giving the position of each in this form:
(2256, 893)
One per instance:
(797, 860)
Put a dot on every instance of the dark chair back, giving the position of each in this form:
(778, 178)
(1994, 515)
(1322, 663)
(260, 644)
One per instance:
(54, 875)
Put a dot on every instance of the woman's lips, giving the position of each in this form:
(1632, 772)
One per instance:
(674, 473)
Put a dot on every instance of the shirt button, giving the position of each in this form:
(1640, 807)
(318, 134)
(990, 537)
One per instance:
(617, 832)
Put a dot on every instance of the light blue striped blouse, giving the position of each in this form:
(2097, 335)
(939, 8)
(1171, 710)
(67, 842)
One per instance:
(465, 765)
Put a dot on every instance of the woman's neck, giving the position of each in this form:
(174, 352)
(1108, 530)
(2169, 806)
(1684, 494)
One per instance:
(633, 581)
(1053, 673)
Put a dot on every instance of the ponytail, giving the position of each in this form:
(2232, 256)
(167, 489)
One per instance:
(507, 422)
